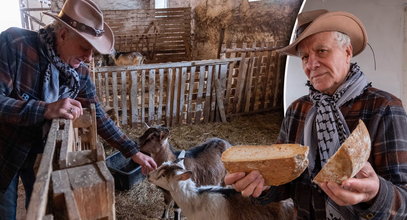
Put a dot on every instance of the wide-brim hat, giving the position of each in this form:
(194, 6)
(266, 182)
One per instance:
(85, 18)
(313, 22)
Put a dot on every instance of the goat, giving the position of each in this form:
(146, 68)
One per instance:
(213, 202)
(128, 58)
(204, 160)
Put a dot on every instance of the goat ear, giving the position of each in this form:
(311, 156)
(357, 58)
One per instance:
(163, 135)
(180, 162)
(146, 125)
(184, 176)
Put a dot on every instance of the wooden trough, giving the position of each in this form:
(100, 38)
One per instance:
(72, 180)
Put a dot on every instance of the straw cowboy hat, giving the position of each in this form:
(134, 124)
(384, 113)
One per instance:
(85, 18)
(317, 21)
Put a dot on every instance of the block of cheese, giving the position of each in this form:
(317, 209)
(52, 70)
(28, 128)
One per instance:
(278, 163)
(349, 159)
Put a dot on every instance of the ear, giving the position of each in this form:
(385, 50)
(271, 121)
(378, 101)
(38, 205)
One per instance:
(184, 176)
(349, 53)
(144, 123)
(163, 135)
(180, 162)
(62, 34)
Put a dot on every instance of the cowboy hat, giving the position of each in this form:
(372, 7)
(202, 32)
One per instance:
(313, 22)
(85, 18)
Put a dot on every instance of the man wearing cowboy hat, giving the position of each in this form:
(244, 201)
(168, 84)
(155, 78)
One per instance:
(42, 77)
(339, 95)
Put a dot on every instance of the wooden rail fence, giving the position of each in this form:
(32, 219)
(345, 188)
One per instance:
(189, 92)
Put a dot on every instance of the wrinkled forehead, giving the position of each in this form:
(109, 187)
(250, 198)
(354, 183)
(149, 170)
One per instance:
(316, 40)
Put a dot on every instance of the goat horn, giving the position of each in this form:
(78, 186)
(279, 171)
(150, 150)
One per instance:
(145, 124)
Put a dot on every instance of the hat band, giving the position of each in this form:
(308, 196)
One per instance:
(81, 27)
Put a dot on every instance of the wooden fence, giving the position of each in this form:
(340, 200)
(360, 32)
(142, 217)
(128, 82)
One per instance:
(263, 83)
(189, 92)
(160, 34)
(73, 181)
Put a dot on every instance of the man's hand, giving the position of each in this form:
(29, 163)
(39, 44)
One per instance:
(65, 108)
(146, 162)
(362, 188)
(251, 184)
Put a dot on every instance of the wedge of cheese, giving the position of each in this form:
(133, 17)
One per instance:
(349, 159)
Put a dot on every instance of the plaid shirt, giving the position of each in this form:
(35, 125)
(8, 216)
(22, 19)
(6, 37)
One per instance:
(22, 64)
(386, 121)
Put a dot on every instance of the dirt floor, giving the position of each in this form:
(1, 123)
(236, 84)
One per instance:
(144, 200)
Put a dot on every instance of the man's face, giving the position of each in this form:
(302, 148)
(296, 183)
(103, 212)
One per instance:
(325, 62)
(72, 48)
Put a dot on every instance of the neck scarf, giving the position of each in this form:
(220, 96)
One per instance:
(60, 79)
(330, 125)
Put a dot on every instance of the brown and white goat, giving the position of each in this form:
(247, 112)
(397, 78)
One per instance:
(213, 202)
(203, 160)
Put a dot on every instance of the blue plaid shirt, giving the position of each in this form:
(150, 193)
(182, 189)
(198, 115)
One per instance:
(22, 64)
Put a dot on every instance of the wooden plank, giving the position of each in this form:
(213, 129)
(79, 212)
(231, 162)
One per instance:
(115, 93)
(93, 129)
(143, 99)
(229, 81)
(176, 97)
(241, 82)
(107, 103)
(257, 82)
(133, 97)
(191, 89)
(182, 95)
(166, 65)
(151, 95)
(39, 197)
(208, 95)
(198, 110)
(67, 144)
(214, 112)
(100, 88)
(279, 84)
(265, 82)
(248, 86)
(93, 196)
(160, 96)
(169, 97)
(71, 206)
(124, 97)
(64, 203)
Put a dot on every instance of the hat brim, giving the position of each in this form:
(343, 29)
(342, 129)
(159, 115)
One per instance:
(333, 21)
(103, 44)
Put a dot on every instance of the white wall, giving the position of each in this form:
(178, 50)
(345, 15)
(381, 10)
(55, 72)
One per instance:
(385, 24)
(10, 15)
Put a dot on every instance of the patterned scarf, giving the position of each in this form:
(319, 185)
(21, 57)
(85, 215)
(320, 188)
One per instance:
(60, 79)
(331, 128)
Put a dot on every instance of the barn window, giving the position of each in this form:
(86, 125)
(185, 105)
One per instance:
(161, 3)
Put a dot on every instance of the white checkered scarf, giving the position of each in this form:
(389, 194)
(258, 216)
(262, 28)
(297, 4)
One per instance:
(331, 126)
(60, 79)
